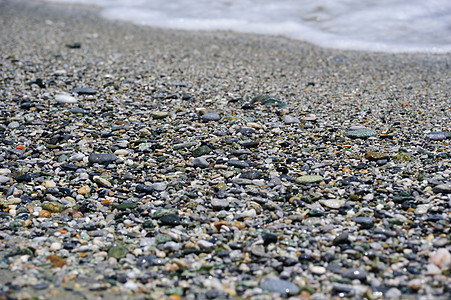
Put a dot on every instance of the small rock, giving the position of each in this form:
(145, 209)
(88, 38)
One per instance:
(352, 274)
(200, 162)
(211, 117)
(84, 190)
(364, 222)
(170, 219)
(441, 258)
(101, 158)
(318, 270)
(219, 204)
(290, 120)
(84, 91)
(206, 246)
(332, 203)
(102, 182)
(361, 133)
(238, 164)
(375, 156)
(159, 114)
(251, 174)
(309, 179)
(444, 188)
(142, 188)
(64, 98)
(159, 186)
(283, 287)
(117, 252)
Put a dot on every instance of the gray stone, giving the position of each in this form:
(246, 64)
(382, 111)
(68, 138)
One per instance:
(283, 287)
(159, 186)
(362, 133)
(290, 120)
(211, 117)
(219, 204)
(352, 274)
(238, 164)
(200, 162)
(309, 179)
(444, 188)
(101, 158)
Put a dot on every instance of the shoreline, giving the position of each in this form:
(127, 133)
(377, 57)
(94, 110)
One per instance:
(212, 189)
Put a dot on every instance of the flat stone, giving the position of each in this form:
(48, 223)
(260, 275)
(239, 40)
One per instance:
(159, 186)
(200, 162)
(238, 164)
(102, 182)
(309, 179)
(117, 252)
(159, 114)
(374, 156)
(290, 120)
(170, 219)
(352, 274)
(201, 150)
(4, 179)
(283, 287)
(332, 203)
(143, 188)
(211, 117)
(251, 174)
(84, 91)
(101, 158)
(64, 98)
(362, 133)
(364, 222)
(219, 204)
(206, 246)
(444, 188)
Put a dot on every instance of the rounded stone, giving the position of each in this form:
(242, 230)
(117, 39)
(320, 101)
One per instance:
(362, 133)
(283, 287)
(211, 117)
(309, 179)
(117, 252)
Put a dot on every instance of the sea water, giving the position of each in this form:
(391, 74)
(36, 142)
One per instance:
(370, 25)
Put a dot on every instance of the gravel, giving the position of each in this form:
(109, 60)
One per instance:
(147, 163)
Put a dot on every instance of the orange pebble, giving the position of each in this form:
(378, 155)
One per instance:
(21, 147)
(44, 213)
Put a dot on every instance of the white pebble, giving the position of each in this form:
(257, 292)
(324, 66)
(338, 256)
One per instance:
(64, 98)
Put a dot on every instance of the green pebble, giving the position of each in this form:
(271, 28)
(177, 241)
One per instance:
(361, 133)
(117, 252)
(159, 114)
(309, 179)
(402, 157)
(127, 205)
(202, 150)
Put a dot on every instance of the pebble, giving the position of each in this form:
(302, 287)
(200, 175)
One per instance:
(219, 204)
(360, 133)
(101, 158)
(84, 91)
(159, 186)
(117, 252)
(441, 258)
(290, 120)
(211, 117)
(359, 274)
(200, 162)
(206, 246)
(159, 114)
(102, 182)
(170, 219)
(238, 164)
(444, 188)
(283, 287)
(364, 222)
(64, 98)
(309, 179)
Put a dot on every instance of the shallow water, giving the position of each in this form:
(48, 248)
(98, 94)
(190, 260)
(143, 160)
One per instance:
(370, 25)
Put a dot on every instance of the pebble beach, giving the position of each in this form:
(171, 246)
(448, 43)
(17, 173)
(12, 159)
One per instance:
(146, 163)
